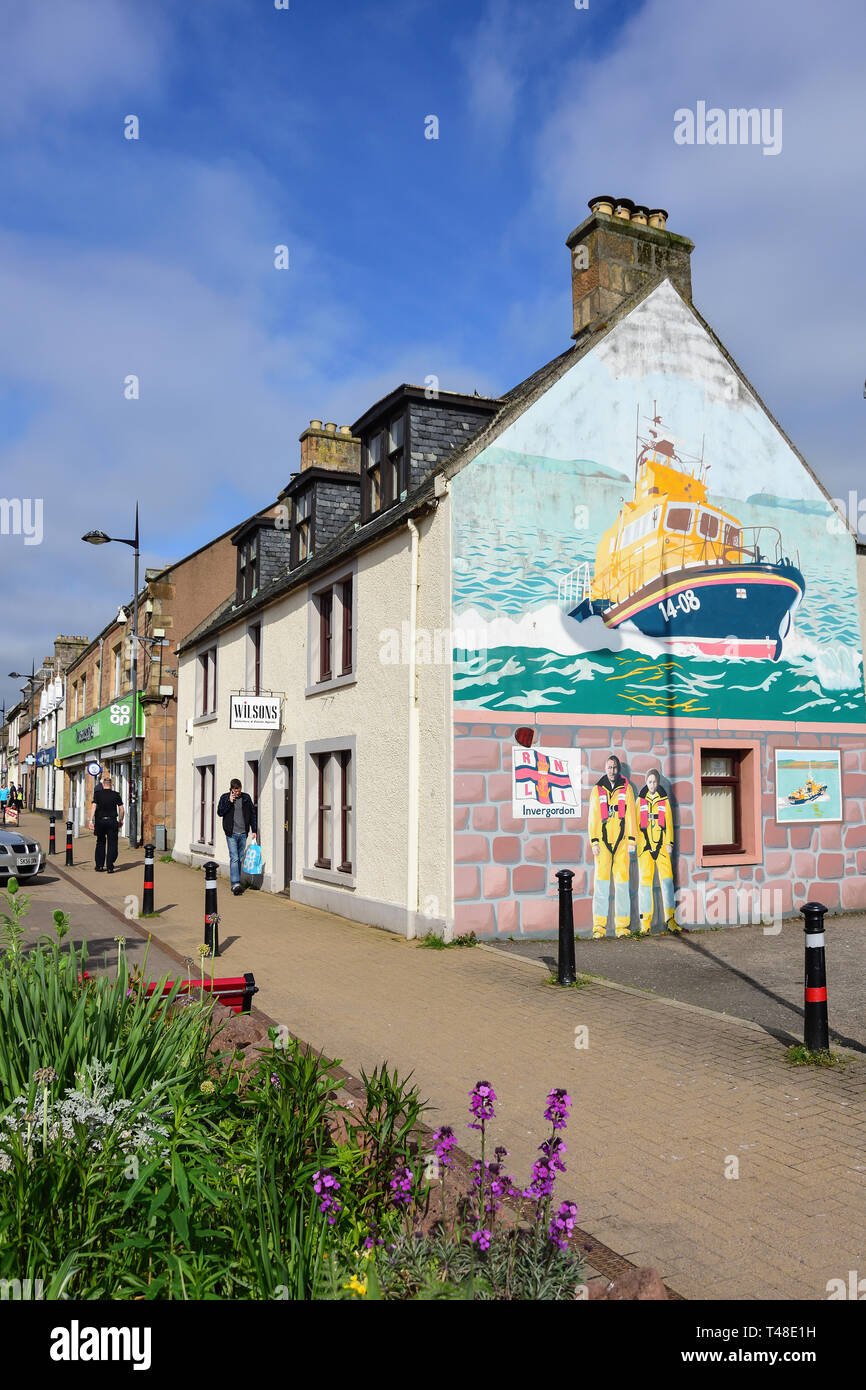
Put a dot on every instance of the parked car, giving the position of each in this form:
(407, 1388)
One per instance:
(20, 856)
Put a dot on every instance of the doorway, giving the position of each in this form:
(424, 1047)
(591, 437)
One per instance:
(286, 815)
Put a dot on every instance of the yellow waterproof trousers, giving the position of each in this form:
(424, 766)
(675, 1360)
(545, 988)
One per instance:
(647, 867)
(619, 863)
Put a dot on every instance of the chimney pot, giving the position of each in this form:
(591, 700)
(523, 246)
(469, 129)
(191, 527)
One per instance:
(603, 203)
(640, 215)
(330, 427)
(315, 424)
(658, 218)
(624, 208)
(346, 431)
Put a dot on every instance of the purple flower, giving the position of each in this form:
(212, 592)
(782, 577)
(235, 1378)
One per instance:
(562, 1225)
(545, 1169)
(481, 1239)
(482, 1098)
(275, 1080)
(558, 1105)
(326, 1186)
(444, 1140)
(401, 1185)
(496, 1184)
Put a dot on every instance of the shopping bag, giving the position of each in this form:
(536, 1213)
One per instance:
(253, 859)
(11, 815)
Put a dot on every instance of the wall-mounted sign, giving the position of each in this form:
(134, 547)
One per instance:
(94, 769)
(112, 724)
(545, 782)
(808, 785)
(255, 712)
(45, 756)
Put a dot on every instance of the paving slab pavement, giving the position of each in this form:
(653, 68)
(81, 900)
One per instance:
(742, 971)
(693, 1146)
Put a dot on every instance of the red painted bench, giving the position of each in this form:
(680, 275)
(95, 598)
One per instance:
(235, 991)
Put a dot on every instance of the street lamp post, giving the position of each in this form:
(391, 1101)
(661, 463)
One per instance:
(31, 781)
(100, 538)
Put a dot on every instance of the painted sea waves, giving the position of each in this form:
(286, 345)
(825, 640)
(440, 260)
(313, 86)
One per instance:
(506, 576)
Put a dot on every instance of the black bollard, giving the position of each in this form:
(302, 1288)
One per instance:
(52, 836)
(68, 843)
(566, 973)
(816, 1034)
(147, 896)
(211, 916)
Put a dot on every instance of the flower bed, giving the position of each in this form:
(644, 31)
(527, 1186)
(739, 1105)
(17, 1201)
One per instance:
(141, 1159)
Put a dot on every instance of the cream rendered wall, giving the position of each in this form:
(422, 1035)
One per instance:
(372, 715)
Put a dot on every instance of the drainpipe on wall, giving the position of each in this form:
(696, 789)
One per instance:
(414, 742)
(99, 687)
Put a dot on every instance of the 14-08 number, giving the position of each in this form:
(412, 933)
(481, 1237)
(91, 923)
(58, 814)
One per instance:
(686, 602)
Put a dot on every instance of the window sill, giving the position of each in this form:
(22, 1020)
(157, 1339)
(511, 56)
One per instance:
(725, 861)
(330, 876)
(202, 849)
(321, 687)
(205, 718)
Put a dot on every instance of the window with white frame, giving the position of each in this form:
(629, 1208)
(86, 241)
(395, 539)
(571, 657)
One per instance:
(204, 804)
(206, 682)
(332, 634)
(118, 669)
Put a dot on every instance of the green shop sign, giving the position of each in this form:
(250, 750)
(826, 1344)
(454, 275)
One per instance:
(109, 725)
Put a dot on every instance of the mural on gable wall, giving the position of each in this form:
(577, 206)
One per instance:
(642, 540)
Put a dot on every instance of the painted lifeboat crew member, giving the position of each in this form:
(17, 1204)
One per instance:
(654, 845)
(612, 831)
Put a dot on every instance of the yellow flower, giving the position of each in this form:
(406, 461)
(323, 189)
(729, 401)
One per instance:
(203, 949)
(358, 1286)
(207, 1088)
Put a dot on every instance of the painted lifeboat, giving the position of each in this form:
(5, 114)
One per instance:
(685, 572)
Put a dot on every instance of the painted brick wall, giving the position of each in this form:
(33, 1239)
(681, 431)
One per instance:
(504, 880)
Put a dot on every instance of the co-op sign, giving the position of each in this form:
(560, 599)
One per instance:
(255, 712)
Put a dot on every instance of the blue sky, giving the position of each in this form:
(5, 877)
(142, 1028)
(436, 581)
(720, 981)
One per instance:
(408, 256)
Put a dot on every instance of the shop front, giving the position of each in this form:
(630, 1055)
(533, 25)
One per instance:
(101, 742)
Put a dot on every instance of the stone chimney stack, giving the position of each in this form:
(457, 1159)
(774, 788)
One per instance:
(621, 247)
(67, 650)
(329, 447)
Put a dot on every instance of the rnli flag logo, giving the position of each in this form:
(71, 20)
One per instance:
(546, 782)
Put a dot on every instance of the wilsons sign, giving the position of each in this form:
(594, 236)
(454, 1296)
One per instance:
(254, 712)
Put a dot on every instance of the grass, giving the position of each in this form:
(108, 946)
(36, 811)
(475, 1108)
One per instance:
(578, 984)
(801, 1056)
(436, 943)
(166, 858)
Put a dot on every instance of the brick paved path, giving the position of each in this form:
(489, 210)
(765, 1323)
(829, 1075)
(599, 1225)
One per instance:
(665, 1096)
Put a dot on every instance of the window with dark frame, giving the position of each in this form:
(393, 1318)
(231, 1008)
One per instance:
(302, 540)
(346, 604)
(206, 804)
(345, 811)
(721, 801)
(254, 778)
(385, 473)
(207, 679)
(256, 640)
(326, 612)
(247, 568)
(323, 812)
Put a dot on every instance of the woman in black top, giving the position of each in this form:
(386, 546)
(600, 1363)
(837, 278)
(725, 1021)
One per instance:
(106, 818)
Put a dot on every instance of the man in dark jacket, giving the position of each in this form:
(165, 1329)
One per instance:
(239, 819)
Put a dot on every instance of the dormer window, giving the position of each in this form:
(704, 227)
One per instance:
(248, 568)
(374, 473)
(385, 471)
(303, 526)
